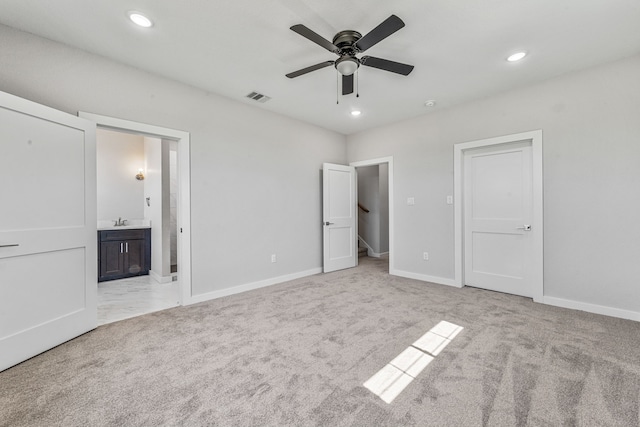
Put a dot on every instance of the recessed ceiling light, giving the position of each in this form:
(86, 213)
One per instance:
(356, 113)
(140, 19)
(517, 56)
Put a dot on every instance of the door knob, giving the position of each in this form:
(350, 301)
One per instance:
(328, 223)
(525, 227)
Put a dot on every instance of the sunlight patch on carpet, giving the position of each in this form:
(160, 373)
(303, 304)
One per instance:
(394, 377)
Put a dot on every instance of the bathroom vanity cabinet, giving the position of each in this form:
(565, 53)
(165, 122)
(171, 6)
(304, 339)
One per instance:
(123, 253)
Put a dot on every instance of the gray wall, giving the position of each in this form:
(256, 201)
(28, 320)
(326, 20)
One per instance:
(383, 176)
(255, 175)
(591, 142)
(369, 197)
(373, 194)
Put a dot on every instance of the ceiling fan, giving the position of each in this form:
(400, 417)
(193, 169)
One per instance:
(347, 44)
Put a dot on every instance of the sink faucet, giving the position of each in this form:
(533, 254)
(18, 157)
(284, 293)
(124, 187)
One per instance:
(120, 222)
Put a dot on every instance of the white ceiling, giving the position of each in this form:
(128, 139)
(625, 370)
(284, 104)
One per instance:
(233, 47)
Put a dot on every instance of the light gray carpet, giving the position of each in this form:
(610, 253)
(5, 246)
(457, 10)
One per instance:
(298, 354)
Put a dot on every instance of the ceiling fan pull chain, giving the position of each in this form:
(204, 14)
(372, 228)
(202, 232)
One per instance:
(358, 83)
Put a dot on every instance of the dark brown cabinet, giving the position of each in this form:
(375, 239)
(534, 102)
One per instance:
(123, 253)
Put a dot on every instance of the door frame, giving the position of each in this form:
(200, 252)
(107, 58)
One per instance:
(389, 162)
(184, 187)
(535, 137)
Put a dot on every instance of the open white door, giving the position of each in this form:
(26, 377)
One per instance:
(48, 282)
(339, 217)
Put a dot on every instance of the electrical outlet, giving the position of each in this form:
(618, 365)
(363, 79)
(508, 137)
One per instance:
(449, 200)
(273, 258)
(411, 201)
(425, 256)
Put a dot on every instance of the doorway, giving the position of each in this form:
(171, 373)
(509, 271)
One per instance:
(181, 140)
(375, 227)
(136, 213)
(498, 214)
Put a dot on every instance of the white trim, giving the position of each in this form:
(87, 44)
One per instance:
(370, 251)
(536, 150)
(425, 278)
(114, 123)
(376, 254)
(389, 161)
(160, 279)
(592, 308)
(184, 190)
(251, 286)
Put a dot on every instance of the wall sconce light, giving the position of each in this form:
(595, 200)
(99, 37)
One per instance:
(140, 175)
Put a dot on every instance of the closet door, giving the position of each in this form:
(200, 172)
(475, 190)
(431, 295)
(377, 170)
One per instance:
(48, 233)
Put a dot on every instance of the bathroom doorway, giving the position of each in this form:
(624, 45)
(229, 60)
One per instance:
(159, 179)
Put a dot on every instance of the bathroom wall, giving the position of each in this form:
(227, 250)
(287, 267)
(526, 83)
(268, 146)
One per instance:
(173, 203)
(120, 194)
(157, 210)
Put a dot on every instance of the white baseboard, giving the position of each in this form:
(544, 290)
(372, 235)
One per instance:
(592, 308)
(160, 279)
(424, 278)
(370, 251)
(375, 254)
(250, 286)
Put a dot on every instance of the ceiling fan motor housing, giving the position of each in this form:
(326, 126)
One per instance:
(347, 64)
(346, 40)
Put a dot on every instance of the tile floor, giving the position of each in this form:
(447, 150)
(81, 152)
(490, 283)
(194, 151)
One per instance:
(135, 296)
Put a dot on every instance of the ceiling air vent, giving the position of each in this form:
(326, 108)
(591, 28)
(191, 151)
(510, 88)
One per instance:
(258, 97)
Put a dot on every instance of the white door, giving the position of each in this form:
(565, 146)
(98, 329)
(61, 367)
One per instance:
(339, 217)
(498, 213)
(47, 228)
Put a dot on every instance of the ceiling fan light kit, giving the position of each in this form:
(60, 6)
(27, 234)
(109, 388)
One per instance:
(347, 65)
(347, 44)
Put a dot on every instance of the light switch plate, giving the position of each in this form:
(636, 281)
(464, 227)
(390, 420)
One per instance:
(449, 200)
(411, 201)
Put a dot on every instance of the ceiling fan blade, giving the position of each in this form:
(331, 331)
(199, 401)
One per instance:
(379, 33)
(314, 37)
(309, 69)
(385, 64)
(347, 84)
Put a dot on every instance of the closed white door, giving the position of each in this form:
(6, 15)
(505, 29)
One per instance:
(339, 217)
(48, 282)
(498, 213)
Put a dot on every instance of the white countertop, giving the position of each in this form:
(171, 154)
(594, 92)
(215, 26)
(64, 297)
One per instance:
(123, 227)
(131, 224)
